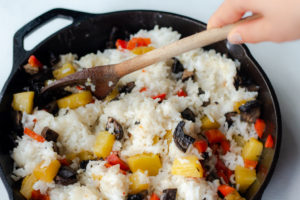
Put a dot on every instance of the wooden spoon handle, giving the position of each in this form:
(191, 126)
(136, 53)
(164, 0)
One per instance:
(178, 47)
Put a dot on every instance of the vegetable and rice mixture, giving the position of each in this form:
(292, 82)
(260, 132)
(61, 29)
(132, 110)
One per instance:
(185, 128)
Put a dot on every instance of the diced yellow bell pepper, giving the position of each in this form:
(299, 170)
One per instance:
(86, 155)
(114, 93)
(142, 50)
(23, 102)
(244, 177)
(188, 166)
(207, 124)
(27, 185)
(75, 100)
(47, 173)
(64, 71)
(234, 196)
(252, 149)
(138, 182)
(145, 162)
(103, 144)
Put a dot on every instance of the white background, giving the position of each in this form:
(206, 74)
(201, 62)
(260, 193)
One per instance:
(280, 62)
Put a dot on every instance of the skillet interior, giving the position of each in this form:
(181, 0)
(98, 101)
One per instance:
(89, 33)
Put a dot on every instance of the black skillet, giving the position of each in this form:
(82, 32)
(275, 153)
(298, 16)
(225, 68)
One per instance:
(89, 33)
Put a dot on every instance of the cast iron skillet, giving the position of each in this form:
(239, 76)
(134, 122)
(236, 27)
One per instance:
(89, 33)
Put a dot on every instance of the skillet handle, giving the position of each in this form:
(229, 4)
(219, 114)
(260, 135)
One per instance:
(19, 53)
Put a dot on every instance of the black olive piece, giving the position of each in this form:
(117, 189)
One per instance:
(135, 197)
(188, 115)
(137, 122)
(127, 88)
(169, 194)
(250, 111)
(17, 120)
(117, 128)
(206, 103)
(187, 75)
(212, 176)
(66, 176)
(228, 117)
(49, 96)
(182, 140)
(177, 66)
(83, 164)
(49, 134)
(52, 108)
(200, 91)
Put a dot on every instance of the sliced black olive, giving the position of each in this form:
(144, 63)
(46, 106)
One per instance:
(250, 111)
(83, 164)
(66, 176)
(200, 91)
(49, 134)
(52, 107)
(114, 126)
(177, 66)
(182, 140)
(206, 103)
(169, 194)
(127, 88)
(137, 122)
(188, 115)
(187, 75)
(135, 197)
(228, 117)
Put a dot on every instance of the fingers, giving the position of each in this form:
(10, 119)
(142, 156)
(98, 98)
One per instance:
(230, 11)
(250, 32)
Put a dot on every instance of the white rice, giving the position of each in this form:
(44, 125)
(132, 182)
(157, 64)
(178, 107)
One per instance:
(78, 128)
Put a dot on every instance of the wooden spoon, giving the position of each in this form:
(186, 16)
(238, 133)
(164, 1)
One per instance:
(106, 77)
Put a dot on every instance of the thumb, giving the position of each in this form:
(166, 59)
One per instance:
(253, 31)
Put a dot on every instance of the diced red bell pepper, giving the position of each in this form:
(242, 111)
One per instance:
(143, 89)
(64, 162)
(114, 159)
(260, 127)
(225, 144)
(181, 93)
(223, 171)
(34, 135)
(138, 42)
(250, 163)
(160, 96)
(78, 87)
(37, 195)
(225, 190)
(34, 62)
(154, 197)
(200, 145)
(121, 44)
(269, 142)
(214, 136)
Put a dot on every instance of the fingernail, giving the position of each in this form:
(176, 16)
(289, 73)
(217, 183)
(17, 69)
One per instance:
(235, 38)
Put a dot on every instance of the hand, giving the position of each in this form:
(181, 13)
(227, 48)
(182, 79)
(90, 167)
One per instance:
(280, 20)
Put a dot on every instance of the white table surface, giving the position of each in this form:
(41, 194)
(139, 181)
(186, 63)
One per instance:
(280, 62)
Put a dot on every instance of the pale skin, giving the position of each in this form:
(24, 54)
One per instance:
(279, 21)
